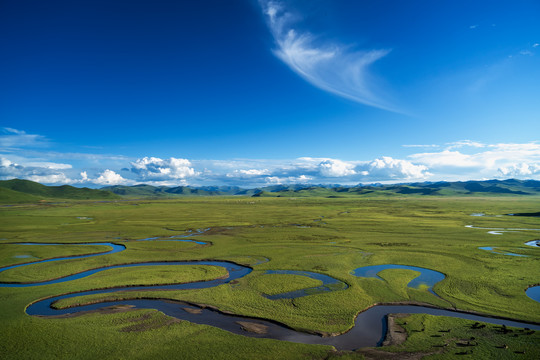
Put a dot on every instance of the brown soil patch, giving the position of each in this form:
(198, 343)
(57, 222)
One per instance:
(192, 310)
(253, 327)
(396, 335)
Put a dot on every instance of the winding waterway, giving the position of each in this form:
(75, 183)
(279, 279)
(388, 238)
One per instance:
(369, 328)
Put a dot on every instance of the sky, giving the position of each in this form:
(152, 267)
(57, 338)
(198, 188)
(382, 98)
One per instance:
(253, 93)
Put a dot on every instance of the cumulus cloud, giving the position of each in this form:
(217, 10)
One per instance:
(487, 161)
(336, 168)
(346, 172)
(387, 168)
(108, 177)
(276, 180)
(59, 178)
(152, 168)
(329, 66)
(460, 160)
(520, 170)
(43, 172)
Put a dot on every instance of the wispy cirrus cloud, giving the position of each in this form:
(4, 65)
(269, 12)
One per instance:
(14, 138)
(332, 67)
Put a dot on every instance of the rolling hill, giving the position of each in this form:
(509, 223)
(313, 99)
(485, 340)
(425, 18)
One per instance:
(20, 191)
(17, 190)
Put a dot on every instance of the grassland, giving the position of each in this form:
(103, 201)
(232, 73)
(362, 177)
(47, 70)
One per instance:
(329, 236)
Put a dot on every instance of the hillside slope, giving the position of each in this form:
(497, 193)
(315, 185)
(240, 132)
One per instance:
(18, 190)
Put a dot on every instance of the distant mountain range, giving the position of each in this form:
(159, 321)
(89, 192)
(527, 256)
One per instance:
(466, 188)
(20, 191)
(165, 191)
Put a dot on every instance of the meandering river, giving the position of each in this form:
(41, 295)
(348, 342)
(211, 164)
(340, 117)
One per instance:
(369, 328)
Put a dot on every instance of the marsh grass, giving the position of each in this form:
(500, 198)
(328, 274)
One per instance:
(452, 336)
(271, 284)
(329, 236)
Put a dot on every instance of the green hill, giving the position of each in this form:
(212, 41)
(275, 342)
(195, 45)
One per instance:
(8, 196)
(17, 191)
(26, 191)
(466, 188)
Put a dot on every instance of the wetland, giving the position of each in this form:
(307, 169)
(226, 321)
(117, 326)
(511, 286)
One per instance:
(267, 270)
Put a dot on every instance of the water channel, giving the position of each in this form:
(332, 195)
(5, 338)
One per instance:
(369, 328)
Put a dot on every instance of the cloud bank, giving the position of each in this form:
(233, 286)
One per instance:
(454, 161)
(329, 66)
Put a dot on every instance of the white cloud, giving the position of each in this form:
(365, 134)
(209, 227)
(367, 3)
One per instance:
(464, 143)
(248, 173)
(536, 45)
(421, 146)
(331, 67)
(59, 178)
(526, 52)
(348, 172)
(276, 180)
(43, 172)
(48, 165)
(13, 138)
(520, 170)
(531, 148)
(445, 158)
(473, 26)
(109, 177)
(336, 168)
(152, 168)
(459, 160)
(387, 168)
(485, 162)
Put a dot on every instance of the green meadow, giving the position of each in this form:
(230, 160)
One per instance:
(331, 236)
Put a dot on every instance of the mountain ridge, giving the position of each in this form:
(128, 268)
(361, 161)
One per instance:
(440, 188)
(21, 191)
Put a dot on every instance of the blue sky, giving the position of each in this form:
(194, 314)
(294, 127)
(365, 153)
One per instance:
(262, 92)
